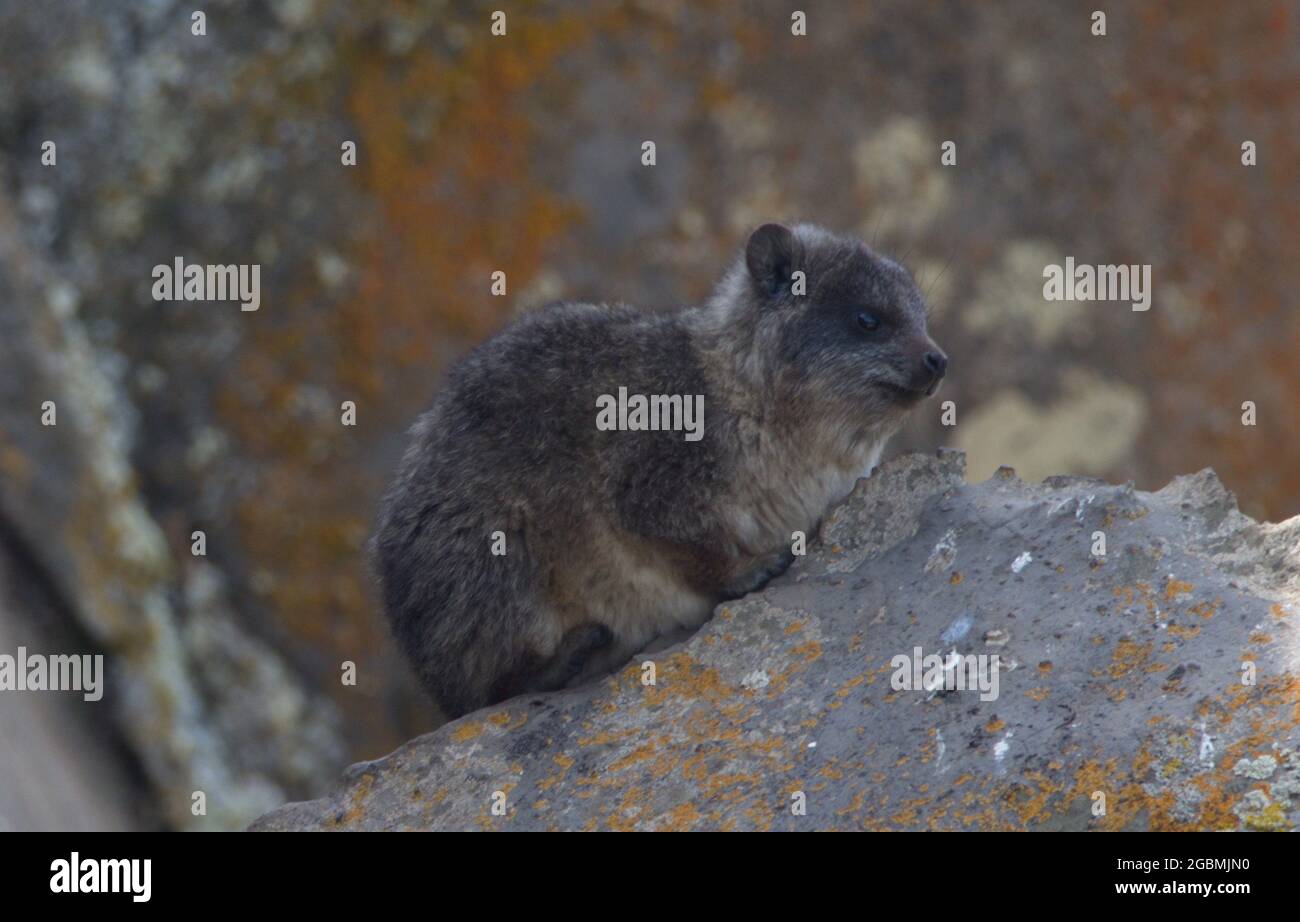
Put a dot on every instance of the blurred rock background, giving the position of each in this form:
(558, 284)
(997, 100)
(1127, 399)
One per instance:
(522, 153)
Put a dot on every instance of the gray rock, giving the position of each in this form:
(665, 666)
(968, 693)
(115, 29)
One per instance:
(196, 696)
(1120, 703)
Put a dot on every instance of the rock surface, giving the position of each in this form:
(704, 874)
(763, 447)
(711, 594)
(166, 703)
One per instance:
(1152, 687)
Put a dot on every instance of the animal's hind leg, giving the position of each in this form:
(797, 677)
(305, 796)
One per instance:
(572, 654)
(576, 649)
(603, 661)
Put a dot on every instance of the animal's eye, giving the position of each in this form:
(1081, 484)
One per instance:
(868, 321)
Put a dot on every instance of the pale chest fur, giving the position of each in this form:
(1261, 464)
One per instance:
(785, 492)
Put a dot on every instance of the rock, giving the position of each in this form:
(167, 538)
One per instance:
(1153, 688)
(62, 768)
(195, 695)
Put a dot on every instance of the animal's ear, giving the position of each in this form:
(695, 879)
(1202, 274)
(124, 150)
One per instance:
(770, 256)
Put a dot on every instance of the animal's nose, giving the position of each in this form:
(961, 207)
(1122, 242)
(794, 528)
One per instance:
(936, 363)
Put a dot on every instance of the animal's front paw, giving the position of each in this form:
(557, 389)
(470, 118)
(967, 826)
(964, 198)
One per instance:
(758, 577)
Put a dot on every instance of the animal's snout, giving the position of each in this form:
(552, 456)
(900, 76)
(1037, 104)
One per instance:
(936, 363)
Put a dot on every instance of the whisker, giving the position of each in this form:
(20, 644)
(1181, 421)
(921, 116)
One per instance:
(934, 281)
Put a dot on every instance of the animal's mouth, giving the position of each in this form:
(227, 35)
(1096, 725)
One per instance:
(909, 394)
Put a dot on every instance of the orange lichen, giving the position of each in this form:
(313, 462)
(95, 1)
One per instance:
(467, 731)
(508, 721)
(681, 818)
(1128, 656)
(357, 798)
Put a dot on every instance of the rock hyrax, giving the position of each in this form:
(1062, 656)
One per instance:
(562, 503)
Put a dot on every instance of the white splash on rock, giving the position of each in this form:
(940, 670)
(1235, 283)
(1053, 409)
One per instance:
(937, 684)
(1078, 514)
(1001, 748)
(1061, 505)
(958, 629)
(944, 553)
(1207, 746)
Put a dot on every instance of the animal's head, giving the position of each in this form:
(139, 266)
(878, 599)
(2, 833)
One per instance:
(843, 329)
